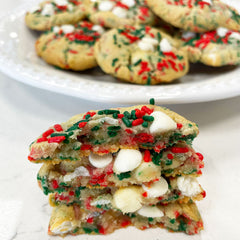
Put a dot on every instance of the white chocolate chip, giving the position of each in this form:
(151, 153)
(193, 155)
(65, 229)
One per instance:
(120, 12)
(100, 161)
(61, 2)
(189, 186)
(80, 171)
(156, 189)
(150, 212)
(161, 123)
(147, 44)
(235, 35)
(165, 45)
(34, 9)
(109, 120)
(70, 7)
(98, 29)
(68, 28)
(187, 35)
(150, 40)
(208, 1)
(56, 29)
(129, 3)
(147, 171)
(221, 31)
(105, 6)
(102, 200)
(127, 199)
(127, 160)
(65, 227)
(47, 10)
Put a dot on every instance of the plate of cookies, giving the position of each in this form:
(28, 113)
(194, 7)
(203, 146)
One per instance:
(125, 51)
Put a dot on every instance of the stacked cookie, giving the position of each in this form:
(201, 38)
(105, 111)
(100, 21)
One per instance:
(113, 168)
(132, 50)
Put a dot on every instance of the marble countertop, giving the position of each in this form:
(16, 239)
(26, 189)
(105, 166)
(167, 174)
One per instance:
(28, 111)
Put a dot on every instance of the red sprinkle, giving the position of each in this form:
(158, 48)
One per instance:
(145, 194)
(48, 132)
(130, 37)
(125, 223)
(200, 156)
(147, 110)
(82, 124)
(137, 122)
(147, 156)
(55, 184)
(170, 54)
(170, 156)
(203, 194)
(71, 193)
(101, 230)
(86, 147)
(139, 113)
(179, 125)
(73, 51)
(177, 214)
(120, 4)
(179, 150)
(129, 131)
(58, 127)
(90, 220)
(144, 68)
(120, 115)
(56, 139)
(144, 138)
(43, 139)
(31, 158)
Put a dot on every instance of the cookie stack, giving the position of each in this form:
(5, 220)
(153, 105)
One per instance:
(113, 168)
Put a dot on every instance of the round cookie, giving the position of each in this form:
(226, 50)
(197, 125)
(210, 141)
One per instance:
(141, 54)
(113, 14)
(215, 48)
(55, 13)
(70, 47)
(196, 15)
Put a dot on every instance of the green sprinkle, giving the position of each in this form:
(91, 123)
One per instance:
(70, 133)
(112, 133)
(96, 230)
(127, 122)
(145, 124)
(114, 128)
(149, 79)
(182, 226)
(100, 112)
(121, 176)
(115, 115)
(63, 184)
(75, 230)
(59, 134)
(66, 141)
(152, 101)
(114, 61)
(96, 128)
(127, 114)
(133, 114)
(115, 38)
(190, 125)
(156, 158)
(167, 171)
(137, 63)
(172, 221)
(87, 230)
(150, 219)
(148, 118)
(168, 162)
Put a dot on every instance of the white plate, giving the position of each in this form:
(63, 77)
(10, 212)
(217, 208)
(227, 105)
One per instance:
(18, 60)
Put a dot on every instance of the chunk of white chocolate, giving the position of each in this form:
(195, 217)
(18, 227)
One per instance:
(129, 3)
(67, 28)
(105, 6)
(47, 10)
(127, 160)
(150, 212)
(127, 199)
(161, 123)
(120, 12)
(165, 45)
(100, 161)
(189, 186)
(65, 227)
(156, 189)
(78, 172)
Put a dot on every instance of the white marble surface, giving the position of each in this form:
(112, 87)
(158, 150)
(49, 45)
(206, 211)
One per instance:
(27, 111)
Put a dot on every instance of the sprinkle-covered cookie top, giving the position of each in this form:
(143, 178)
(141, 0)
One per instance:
(108, 130)
(221, 36)
(50, 8)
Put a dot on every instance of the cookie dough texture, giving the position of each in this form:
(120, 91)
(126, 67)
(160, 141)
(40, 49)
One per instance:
(197, 16)
(49, 14)
(213, 49)
(141, 55)
(68, 46)
(112, 13)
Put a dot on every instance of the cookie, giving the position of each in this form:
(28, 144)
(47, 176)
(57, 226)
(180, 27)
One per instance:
(216, 48)
(141, 55)
(106, 131)
(112, 13)
(75, 220)
(55, 13)
(195, 15)
(70, 46)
